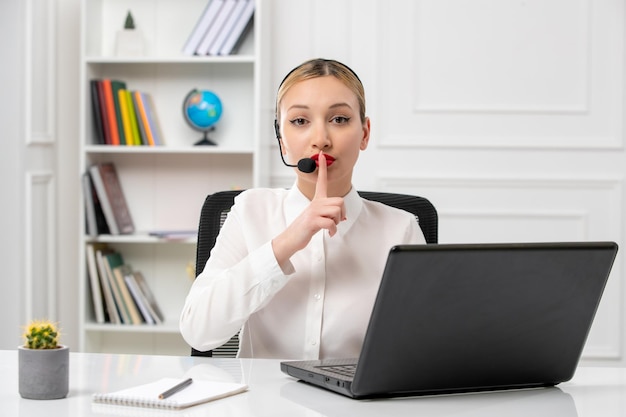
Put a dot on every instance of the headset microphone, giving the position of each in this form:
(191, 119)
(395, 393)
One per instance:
(306, 165)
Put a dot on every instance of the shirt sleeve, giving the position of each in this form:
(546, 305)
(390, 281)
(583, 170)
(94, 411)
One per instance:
(237, 280)
(414, 232)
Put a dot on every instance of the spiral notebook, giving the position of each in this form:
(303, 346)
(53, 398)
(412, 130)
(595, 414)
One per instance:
(147, 395)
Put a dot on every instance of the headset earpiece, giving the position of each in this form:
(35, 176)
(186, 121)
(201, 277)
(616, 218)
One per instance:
(276, 129)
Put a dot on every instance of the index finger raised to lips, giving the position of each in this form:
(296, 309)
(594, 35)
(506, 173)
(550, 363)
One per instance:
(321, 186)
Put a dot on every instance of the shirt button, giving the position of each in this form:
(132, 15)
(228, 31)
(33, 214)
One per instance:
(313, 342)
(317, 297)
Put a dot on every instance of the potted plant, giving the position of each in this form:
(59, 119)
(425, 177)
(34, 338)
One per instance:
(129, 40)
(43, 363)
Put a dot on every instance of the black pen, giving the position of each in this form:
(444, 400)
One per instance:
(176, 388)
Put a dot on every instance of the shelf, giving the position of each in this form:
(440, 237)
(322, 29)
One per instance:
(139, 238)
(183, 59)
(164, 186)
(169, 84)
(192, 150)
(165, 26)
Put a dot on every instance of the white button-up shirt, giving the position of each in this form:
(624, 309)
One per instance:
(320, 305)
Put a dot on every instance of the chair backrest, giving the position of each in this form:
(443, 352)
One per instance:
(423, 210)
(216, 207)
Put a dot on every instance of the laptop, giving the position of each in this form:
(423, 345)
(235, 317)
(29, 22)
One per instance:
(455, 318)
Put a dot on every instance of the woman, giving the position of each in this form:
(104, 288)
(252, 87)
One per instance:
(297, 270)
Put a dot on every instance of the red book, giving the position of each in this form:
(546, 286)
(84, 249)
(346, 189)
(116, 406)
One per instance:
(103, 114)
(110, 110)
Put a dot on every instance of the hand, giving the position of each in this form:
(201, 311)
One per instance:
(322, 213)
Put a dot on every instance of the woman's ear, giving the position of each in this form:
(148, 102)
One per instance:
(366, 134)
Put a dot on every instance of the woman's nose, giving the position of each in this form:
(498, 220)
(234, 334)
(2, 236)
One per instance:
(320, 137)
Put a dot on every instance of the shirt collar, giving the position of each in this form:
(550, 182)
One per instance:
(296, 202)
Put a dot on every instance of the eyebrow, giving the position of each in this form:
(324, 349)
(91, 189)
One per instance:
(333, 106)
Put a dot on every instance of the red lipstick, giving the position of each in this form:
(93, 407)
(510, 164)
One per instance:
(329, 159)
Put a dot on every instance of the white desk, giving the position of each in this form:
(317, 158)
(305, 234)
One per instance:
(592, 392)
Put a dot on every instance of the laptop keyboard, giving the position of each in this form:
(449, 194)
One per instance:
(344, 370)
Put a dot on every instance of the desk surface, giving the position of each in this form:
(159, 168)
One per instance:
(592, 392)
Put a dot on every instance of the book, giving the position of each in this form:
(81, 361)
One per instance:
(96, 223)
(112, 199)
(240, 29)
(140, 300)
(174, 235)
(112, 260)
(143, 136)
(143, 118)
(153, 119)
(147, 395)
(201, 27)
(153, 306)
(98, 129)
(111, 306)
(133, 118)
(125, 113)
(116, 86)
(95, 283)
(90, 209)
(120, 273)
(110, 112)
(240, 5)
(92, 202)
(108, 140)
(203, 24)
(118, 117)
(225, 9)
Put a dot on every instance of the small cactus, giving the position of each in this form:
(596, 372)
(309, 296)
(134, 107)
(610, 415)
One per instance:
(41, 334)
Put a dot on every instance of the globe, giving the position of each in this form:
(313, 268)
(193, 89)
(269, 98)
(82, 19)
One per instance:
(202, 109)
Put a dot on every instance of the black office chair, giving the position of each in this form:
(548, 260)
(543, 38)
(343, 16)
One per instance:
(216, 207)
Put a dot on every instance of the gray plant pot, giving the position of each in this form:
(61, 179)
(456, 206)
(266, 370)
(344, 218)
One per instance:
(43, 373)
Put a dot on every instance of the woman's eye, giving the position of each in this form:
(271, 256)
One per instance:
(341, 120)
(298, 122)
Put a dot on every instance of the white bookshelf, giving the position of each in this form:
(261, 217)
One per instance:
(165, 186)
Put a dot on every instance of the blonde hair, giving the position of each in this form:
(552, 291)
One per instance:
(319, 67)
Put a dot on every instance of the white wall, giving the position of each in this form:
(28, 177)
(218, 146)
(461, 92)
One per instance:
(507, 115)
(11, 220)
(38, 166)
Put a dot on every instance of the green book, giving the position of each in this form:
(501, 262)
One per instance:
(114, 260)
(133, 119)
(117, 85)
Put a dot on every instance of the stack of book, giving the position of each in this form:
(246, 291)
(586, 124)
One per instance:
(123, 117)
(106, 209)
(221, 28)
(120, 295)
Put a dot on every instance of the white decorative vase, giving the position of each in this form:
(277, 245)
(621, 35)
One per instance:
(129, 43)
(43, 373)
